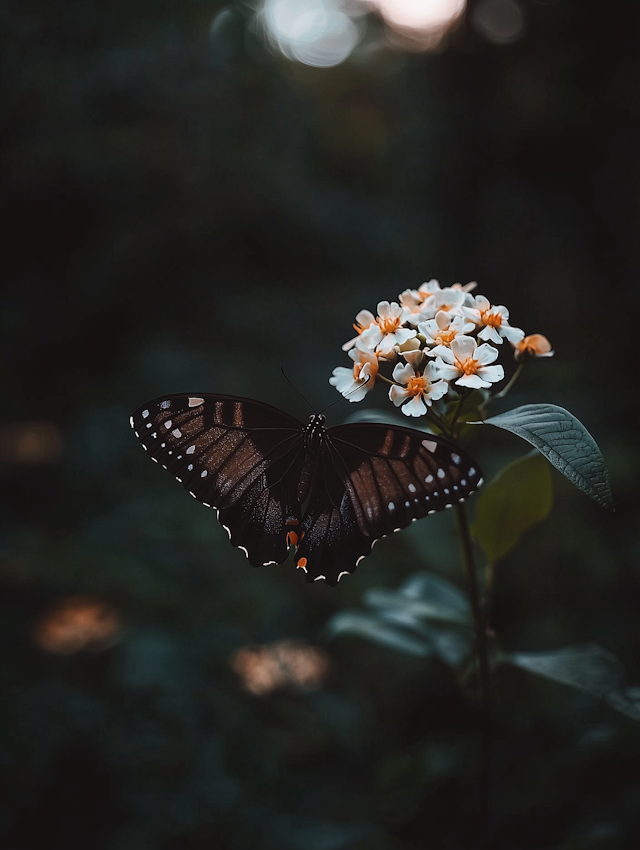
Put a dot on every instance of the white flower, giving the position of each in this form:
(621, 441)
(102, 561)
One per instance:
(430, 288)
(419, 389)
(493, 320)
(469, 363)
(390, 320)
(442, 330)
(364, 320)
(447, 300)
(413, 301)
(355, 383)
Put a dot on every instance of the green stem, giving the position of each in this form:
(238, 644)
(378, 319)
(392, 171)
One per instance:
(514, 378)
(483, 661)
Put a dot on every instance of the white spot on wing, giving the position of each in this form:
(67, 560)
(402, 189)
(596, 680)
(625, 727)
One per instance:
(480, 482)
(472, 471)
(131, 421)
(177, 432)
(406, 504)
(190, 467)
(168, 424)
(227, 530)
(191, 450)
(149, 424)
(391, 506)
(430, 445)
(242, 548)
(145, 413)
(463, 483)
(428, 479)
(412, 488)
(204, 473)
(194, 402)
(165, 404)
(455, 458)
(318, 578)
(343, 573)
(361, 558)
(441, 473)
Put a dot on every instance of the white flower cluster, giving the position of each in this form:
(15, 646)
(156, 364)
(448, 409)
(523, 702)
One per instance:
(432, 335)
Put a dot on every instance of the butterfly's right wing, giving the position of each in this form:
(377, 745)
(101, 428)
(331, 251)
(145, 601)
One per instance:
(240, 457)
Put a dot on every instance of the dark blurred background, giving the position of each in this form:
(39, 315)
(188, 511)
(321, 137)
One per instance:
(194, 195)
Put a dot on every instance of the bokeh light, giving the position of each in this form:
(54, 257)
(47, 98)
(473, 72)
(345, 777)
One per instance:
(30, 443)
(420, 24)
(315, 32)
(499, 21)
(77, 623)
(285, 663)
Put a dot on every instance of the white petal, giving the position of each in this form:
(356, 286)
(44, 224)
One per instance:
(491, 373)
(342, 379)
(365, 318)
(383, 309)
(403, 334)
(472, 315)
(482, 303)
(412, 344)
(402, 372)
(514, 335)
(442, 320)
(463, 347)
(491, 334)
(448, 373)
(438, 390)
(415, 407)
(442, 351)
(398, 395)
(415, 358)
(472, 381)
(371, 337)
(486, 354)
(348, 345)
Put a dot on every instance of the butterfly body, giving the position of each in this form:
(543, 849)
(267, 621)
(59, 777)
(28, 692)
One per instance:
(276, 483)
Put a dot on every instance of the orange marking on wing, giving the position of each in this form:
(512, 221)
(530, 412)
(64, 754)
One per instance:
(292, 522)
(302, 563)
(292, 538)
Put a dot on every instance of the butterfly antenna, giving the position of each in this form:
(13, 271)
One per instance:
(366, 381)
(286, 377)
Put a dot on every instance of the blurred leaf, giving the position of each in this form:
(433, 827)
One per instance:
(423, 596)
(518, 497)
(565, 442)
(375, 629)
(588, 668)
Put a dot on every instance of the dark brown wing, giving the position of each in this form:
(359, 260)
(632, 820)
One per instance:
(240, 457)
(377, 479)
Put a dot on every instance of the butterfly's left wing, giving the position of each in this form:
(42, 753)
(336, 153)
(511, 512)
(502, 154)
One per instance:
(238, 456)
(376, 479)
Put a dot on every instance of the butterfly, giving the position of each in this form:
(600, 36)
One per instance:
(277, 484)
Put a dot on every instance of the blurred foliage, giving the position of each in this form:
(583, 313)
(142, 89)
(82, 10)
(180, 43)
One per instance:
(520, 496)
(183, 212)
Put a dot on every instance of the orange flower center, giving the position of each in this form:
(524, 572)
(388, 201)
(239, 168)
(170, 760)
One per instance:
(491, 320)
(389, 325)
(468, 366)
(445, 337)
(417, 385)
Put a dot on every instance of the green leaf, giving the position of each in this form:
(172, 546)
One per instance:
(588, 668)
(375, 629)
(520, 496)
(565, 442)
(423, 596)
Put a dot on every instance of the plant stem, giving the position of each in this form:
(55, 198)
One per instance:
(512, 381)
(483, 662)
